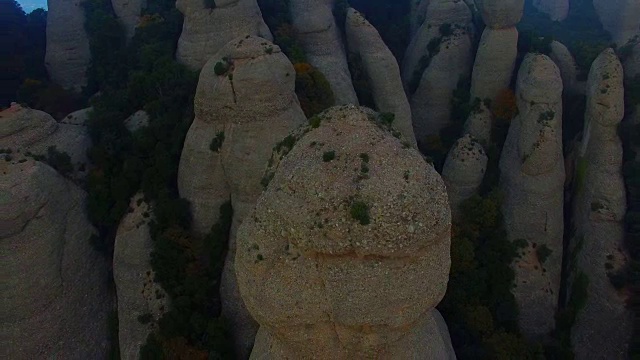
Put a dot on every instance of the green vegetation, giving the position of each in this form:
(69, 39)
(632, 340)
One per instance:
(387, 118)
(313, 90)
(145, 318)
(59, 161)
(328, 156)
(359, 211)
(217, 142)
(221, 67)
(542, 253)
(581, 32)
(360, 80)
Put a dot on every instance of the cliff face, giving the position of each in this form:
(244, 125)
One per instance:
(205, 31)
(128, 12)
(68, 55)
(568, 69)
(329, 264)
(603, 327)
(245, 104)
(382, 70)
(532, 180)
(139, 297)
(322, 41)
(55, 297)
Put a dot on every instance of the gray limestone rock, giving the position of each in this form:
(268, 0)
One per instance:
(54, 293)
(242, 110)
(322, 41)
(205, 31)
(568, 69)
(495, 62)
(532, 181)
(330, 251)
(603, 327)
(128, 12)
(501, 14)
(464, 171)
(382, 70)
(139, 297)
(137, 121)
(479, 124)
(68, 55)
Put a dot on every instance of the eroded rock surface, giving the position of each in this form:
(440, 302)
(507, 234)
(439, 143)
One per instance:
(568, 68)
(621, 18)
(382, 70)
(207, 30)
(32, 131)
(68, 55)
(495, 62)
(241, 113)
(322, 41)
(602, 329)
(141, 302)
(128, 12)
(55, 298)
(464, 171)
(347, 251)
(501, 14)
(532, 176)
(556, 9)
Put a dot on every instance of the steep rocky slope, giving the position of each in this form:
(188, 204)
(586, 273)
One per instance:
(322, 41)
(55, 299)
(141, 301)
(603, 326)
(68, 55)
(245, 104)
(382, 70)
(207, 30)
(532, 180)
(347, 251)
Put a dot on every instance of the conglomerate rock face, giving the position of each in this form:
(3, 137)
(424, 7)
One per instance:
(321, 39)
(501, 14)
(55, 298)
(495, 62)
(245, 104)
(532, 181)
(347, 251)
(621, 18)
(561, 55)
(139, 296)
(32, 131)
(205, 31)
(464, 171)
(431, 74)
(68, 55)
(603, 327)
(382, 71)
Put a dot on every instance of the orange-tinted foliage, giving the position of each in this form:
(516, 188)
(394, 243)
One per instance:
(504, 106)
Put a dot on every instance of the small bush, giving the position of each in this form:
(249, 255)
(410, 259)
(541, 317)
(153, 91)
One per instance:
(144, 319)
(360, 212)
(217, 142)
(364, 157)
(221, 67)
(60, 161)
(328, 156)
(543, 252)
(387, 118)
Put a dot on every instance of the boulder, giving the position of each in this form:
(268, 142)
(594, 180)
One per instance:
(55, 297)
(479, 124)
(128, 12)
(80, 117)
(32, 131)
(431, 102)
(495, 62)
(322, 41)
(382, 71)
(568, 68)
(556, 9)
(501, 14)
(67, 55)
(464, 171)
(621, 18)
(418, 15)
(141, 302)
(346, 255)
(603, 327)
(454, 15)
(532, 176)
(245, 104)
(205, 30)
